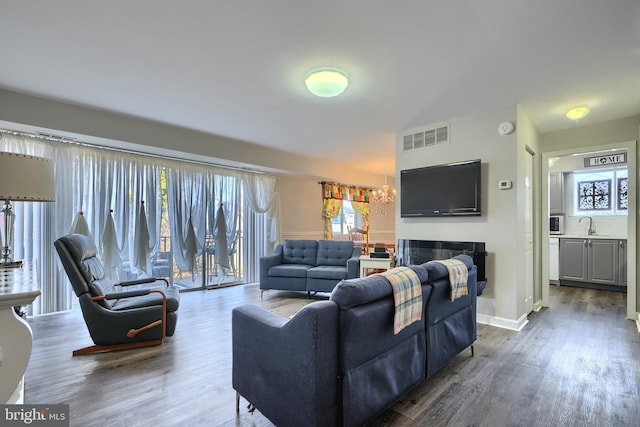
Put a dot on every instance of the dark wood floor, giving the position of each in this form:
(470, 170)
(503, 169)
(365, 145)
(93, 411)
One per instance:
(575, 364)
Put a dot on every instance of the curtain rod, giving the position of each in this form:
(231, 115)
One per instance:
(68, 140)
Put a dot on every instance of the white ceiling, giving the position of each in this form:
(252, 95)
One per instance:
(236, 67)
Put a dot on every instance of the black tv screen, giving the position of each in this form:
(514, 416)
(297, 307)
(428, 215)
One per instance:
(443, 190)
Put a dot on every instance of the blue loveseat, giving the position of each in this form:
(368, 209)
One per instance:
(338, 362)
(309, 265)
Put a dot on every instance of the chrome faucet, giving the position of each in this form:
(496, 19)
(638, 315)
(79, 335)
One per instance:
(591, 231)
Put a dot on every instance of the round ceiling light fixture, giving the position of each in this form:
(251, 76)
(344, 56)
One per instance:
(576, 113)
(326, 82)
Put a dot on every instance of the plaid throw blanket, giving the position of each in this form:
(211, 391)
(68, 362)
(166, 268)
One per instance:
(458, 275)
(407, 296)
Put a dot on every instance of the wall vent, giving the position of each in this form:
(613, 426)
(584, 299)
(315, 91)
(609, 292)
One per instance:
(426, 138)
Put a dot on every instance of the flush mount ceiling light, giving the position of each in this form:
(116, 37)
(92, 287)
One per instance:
(577, 113)
(326, 82)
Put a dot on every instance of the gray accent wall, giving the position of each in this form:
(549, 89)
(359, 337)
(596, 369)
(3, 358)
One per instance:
(476, 137)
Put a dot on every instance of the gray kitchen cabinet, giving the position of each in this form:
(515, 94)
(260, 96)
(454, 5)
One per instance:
(556, 193)
(592, 260)
(602, 263)
(622, 262)
(573, 259)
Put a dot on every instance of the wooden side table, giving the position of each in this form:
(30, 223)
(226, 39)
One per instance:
(366, 263)
(18, 287)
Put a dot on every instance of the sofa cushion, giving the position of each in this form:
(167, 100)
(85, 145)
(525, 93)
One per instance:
(377, 384)
(334, 252)
(289, 270)
(442, 291)
(300, 252)
(328, 272)
(352, 292)
(366, 330)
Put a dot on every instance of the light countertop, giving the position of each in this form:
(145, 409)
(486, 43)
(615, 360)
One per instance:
(584, 236)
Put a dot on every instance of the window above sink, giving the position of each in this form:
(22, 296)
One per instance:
(601, 192)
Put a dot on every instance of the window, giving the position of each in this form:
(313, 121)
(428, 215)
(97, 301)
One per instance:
(99, 181)
(594, 195)
(623, 197)
(601, 192)
(347, 218)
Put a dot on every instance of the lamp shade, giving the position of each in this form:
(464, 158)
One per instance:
(26, 178)
(326, 83)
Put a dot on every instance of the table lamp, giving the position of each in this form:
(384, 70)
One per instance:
(23, 178)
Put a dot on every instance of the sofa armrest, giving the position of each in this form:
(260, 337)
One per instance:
(353, 267)
(266, 262)
(473, 294)
(288, 368)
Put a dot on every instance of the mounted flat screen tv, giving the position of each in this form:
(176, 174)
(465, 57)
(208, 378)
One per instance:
(443, 190)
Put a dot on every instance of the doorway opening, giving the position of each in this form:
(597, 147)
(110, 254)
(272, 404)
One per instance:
(611, 209)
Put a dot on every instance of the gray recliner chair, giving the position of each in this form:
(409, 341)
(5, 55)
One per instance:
(116, 318)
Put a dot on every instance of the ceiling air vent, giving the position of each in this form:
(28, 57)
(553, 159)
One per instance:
(426, 138)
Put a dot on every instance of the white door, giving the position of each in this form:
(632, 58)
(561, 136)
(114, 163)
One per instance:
(528, 230)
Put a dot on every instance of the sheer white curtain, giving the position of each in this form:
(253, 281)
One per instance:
(231, 198)
(227, 190)
(262, 197)
(96, 181)
(116, 170)
(263, 218)
(195, 193)
(186, 188)
(145, 186)
(89, 180)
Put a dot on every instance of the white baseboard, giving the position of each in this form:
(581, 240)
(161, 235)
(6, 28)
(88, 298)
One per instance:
(501, 322)
(537, 306)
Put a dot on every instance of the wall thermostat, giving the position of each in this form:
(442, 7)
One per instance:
(504, 185)
(505, 128)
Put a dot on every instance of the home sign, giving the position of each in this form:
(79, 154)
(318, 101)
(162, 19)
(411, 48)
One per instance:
(612, 159)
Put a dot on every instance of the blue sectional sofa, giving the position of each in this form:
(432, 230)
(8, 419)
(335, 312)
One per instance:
(338, 362)
(309, 265)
